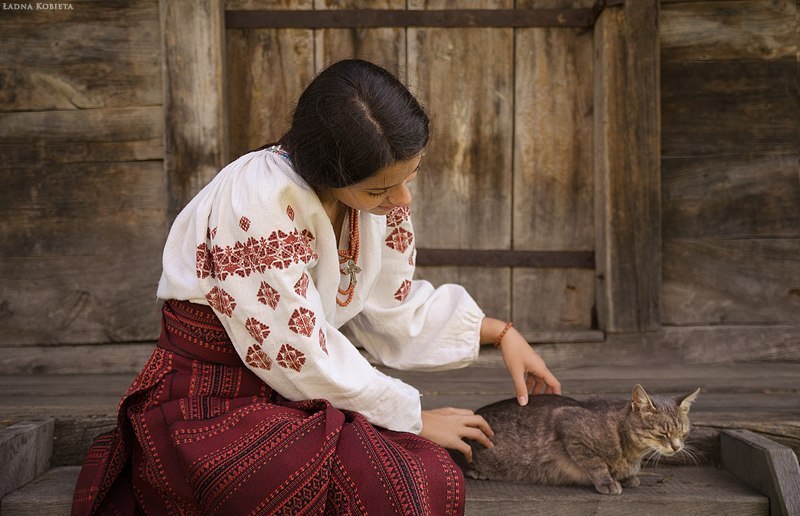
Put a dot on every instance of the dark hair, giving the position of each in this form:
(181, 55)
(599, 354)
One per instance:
(352, 120)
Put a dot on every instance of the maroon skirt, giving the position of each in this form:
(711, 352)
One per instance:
(199, 433)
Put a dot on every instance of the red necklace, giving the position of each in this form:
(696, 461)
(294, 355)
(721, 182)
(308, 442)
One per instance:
(348, 258)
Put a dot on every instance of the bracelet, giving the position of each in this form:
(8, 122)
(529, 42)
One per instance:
(499, 338)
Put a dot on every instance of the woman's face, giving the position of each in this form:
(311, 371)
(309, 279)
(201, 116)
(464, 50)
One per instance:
(383, 191)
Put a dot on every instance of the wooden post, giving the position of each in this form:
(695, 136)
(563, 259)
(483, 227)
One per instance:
(195, 132)
(627, 167)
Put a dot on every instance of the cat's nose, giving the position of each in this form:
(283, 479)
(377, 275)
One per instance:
(676, 445)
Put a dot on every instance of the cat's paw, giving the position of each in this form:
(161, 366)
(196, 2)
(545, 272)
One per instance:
(611, 487)
(631, 482)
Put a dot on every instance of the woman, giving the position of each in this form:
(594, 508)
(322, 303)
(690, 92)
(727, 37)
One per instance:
(256, 399)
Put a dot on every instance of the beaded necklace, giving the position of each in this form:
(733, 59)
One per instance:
(348, 258)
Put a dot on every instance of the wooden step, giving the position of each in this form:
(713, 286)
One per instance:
(761, 397)
(668, 490)
(25, 452)
(49, 494)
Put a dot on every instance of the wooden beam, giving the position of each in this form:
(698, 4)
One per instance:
(195, 132)
(506, 258)
(375, 18)
(627, 168)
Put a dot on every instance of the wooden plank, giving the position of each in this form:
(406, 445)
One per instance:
(196, 139)
(751, 281)
(25, 452)
(506, 258)
(83, 252)
(683, 345)
(494, 301)
(729, 107)
(767, 467)
(627, 168)
(470, 156)
(370, 18)
(94, 358)
(33, 138)
(553, 124)
(267, 71)
(549, 299)
(553, 175)
(49, 494)
(95, 55)
(385, 47)
(736, 196)
(706, 491)
(719, 30)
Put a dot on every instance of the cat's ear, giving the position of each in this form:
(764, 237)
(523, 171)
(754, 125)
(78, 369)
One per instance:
(686, 402)
(640, 400)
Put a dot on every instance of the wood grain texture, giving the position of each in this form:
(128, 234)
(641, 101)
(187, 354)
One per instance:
(750, 281)
(96, 55)
(469, 158)
(627, 168)
(385, 47)
(82, 246)
(729, 107)
(551, 299)
(553, 125)
(721, 30)
(267, 71)
(235, 5)
(195, 139)
(33, 138)
(487, 286)
(766, 466)
(731, 196)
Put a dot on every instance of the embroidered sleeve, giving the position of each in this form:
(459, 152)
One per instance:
(254, 267)
(409, 324)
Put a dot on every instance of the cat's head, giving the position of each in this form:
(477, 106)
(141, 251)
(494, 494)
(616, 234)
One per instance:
(660, 424)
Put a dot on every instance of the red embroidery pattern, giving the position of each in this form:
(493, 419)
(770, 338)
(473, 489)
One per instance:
(290, 212)
(301, 287)
(205, 263)
(257, 358)
(412, 256)
(258, 330)
(268, 295)
(244, 223)
(221, 301)
(278, 251)
(323, 342)
(302, 321)
(397, 216)
(290, 358)
(402, 292)
(400, 239)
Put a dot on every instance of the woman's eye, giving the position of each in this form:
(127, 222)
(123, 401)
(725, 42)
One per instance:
(379, 194)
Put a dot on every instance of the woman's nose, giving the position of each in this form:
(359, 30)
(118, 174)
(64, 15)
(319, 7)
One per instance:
(400, 196)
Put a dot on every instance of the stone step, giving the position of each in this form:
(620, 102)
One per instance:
(26, 449)
(668, 490)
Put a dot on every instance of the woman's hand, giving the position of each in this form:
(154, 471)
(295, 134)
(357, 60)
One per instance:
(448, 427)
(527, 369)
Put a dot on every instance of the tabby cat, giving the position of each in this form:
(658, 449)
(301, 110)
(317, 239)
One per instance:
(556, 440)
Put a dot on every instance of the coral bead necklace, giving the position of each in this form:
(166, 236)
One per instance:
(348, 258)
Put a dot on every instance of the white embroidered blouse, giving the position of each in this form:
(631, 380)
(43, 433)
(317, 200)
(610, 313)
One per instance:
(257, 246)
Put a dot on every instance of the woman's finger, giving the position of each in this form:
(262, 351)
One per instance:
(520, 387)
(465, 449)
(477, 421)
(476, 434)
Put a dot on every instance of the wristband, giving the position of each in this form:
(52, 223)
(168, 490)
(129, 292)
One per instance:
(499, 338)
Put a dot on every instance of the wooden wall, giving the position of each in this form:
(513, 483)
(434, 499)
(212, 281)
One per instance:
(82, 203)
(509, 165)
(85, 203)
(731, 184)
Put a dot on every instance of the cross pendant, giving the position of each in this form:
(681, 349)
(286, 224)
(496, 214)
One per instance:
(352, 269)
